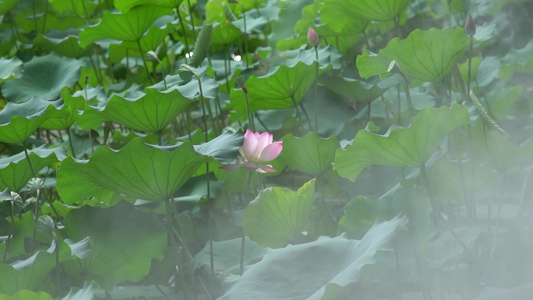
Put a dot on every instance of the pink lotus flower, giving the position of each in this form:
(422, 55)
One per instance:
(256, 149)
(312, 37)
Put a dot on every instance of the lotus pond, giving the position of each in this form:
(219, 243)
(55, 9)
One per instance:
(266, 149)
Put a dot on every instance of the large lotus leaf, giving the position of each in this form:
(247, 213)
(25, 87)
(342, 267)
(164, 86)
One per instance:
(43, 77)
(137, 170)
(276, 90)
(7, 6)
(26, 294)
(426, 55)
(116, 255)
(225, 33)
(354, 90)
(337, 15)
(78, 8)
(371, 10)
(149, 41)
(123, 27)
(19, 121)
(125, 5)
(85, 293)
(401, 147)
(223, 148)
(306, 271)
(277, 214)
(362, 211)
(150, 112)
(15, 170)
(64, 43)
(10, 68)
(227, 255)
(310, 153)
(31, 273)
(22, 230)
(191, 88)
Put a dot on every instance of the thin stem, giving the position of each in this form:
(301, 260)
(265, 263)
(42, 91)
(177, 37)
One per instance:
(298, 116)
(245, 35)
(45, 14)
(408, 95)
(87, 104)
(412, 236)
(209, 202)
(10, 235)
(184, 35)
(144, 60)
(470, 64)
(316, 91)
(35, 222)
(499, 216)
(248, 114)
(35, 16)
(192, 18)
(70, 142)
(163, 73)
(306, 116)
(399, 107)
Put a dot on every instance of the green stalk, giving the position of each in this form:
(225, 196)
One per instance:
(45, 14)
(408, 95)
(316, 91)
(10, 235)
(187, 48)
(209, 202)
(248, 114)
(306, 116)
(413, 240)
(245, 35)
(87, 104)
(470, 63)
(192, 18)
(144, 61)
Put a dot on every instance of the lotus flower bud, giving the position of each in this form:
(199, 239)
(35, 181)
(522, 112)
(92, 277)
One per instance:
(470, 26)
(312, 37)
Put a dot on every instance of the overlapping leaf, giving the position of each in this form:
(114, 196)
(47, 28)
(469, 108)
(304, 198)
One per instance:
(277, 214)
(401, 147)
(123, 27)
(31, 272)
(426, 55)
(310, 153)
(116, 254)
(137, 170)
(310, 270)
(19, 121)
(44, 77)
(125, 5)
(15, 170)
(151, 111)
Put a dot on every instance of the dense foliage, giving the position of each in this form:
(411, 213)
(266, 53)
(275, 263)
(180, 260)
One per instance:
(266, 149)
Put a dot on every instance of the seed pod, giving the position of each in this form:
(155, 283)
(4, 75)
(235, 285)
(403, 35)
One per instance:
(201, 46)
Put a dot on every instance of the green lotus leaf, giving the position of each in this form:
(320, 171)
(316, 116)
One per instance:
(310, 153)
(43, 77)
(223, 148)
(338, 16)
(85, 293)
(426, 55)
(354, 90)
(31, 273)
(279, 89)
(137, 170)
(123, 27)
(150, 112)
(15, 170)
(401, 147)
(7, 6)
(149, 41)
(26, 294)
(227, 255)
(19, 121)
(116, 254)
(77, 8)
(277, 214)
(64, 43)
(125, 5)
(10, 68)
(225, 33)
(309, 271)
(191, 89)
(383, 10)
